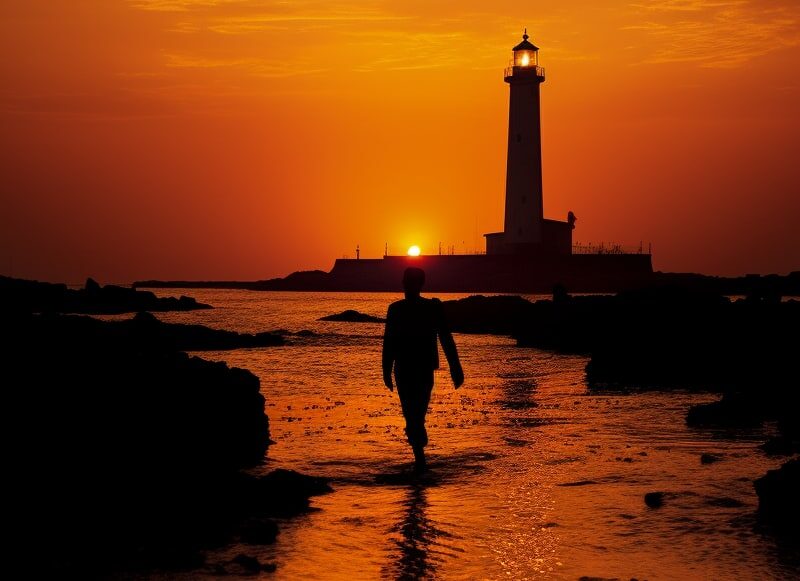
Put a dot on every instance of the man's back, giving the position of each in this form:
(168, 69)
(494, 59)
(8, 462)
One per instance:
(412, 325)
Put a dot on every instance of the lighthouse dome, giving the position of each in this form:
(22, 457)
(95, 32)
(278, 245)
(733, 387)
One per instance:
(525, 44)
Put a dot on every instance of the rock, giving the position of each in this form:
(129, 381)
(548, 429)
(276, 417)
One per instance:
(286, 492)
(248, 563)
(351, 316)
(259, 532)
(251, 565)
(669, 336)
(92, 287)
(779, 496)
(17, 295)
(733, 410)
(219, 569)
(780, 446)
(654, 499)
(709, 458)
(481, 314)
(146, 327)
(127, 453)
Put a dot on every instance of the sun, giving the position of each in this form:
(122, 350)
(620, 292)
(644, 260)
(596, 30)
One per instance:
(413, 251)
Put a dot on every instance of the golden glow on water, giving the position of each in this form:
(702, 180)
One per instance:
(532, 476)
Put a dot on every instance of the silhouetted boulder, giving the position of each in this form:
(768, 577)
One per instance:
(293, 490)
(733, 410)
(251, 565)
(779, 496)
(481, 314)
(670, 337)
(126, 453)
(17, 295)
(259, 532)
(351, 316)
(654, 499)
(707, 458)
(780, 446)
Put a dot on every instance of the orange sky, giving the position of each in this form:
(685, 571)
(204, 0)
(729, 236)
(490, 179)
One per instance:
(245, 139)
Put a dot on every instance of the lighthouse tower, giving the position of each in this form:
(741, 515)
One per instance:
(524, 208)
(525, 228)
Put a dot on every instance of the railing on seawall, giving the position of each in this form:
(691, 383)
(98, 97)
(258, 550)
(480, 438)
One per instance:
(611, 248)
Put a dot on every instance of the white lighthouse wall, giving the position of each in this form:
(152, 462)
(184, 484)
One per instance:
(524, 208)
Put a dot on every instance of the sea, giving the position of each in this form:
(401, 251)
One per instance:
(533, 474)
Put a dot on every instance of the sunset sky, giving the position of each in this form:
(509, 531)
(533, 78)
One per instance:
(245, 139)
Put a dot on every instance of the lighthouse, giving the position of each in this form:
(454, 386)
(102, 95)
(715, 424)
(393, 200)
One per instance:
(525, 229)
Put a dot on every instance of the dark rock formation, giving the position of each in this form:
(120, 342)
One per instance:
(734, 410)
(249, 565)
(351, 316)
(707, 458)
(654, 499)
(124, 453)
(259, 532)
(41, 297)
(780, 446)
(194, 337)
(670, 337)
(779, 497)
(499, 315)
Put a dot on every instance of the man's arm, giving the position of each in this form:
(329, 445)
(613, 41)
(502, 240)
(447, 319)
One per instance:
(449, 348)
(388, 349)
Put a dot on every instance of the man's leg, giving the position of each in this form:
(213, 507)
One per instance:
(414, 398)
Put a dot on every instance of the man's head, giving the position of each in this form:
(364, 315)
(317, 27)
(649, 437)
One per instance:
(413, 279)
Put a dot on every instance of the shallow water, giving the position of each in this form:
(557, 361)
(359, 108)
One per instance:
(532, 476)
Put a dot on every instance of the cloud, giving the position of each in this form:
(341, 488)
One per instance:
(688, 5)
(262, 22)
(717, 33)
(373, 34)
(179, 5)
(254, 66)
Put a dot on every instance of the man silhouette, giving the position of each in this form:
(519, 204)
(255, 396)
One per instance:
(409, 346)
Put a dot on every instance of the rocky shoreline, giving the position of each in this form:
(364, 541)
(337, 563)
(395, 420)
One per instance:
(42, 297)
(128, 455)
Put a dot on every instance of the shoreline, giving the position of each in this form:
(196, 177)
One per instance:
(320, 281)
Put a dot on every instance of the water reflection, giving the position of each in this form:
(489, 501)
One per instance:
(417, 535)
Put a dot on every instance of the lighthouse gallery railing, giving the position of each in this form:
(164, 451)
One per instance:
(511, 71)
